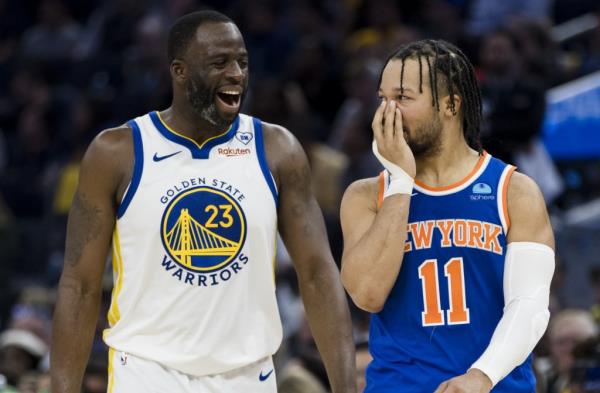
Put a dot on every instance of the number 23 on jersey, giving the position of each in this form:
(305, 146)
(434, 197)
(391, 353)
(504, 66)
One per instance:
(432, 314)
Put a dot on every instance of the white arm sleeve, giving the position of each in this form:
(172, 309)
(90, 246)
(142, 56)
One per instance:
(528, 270)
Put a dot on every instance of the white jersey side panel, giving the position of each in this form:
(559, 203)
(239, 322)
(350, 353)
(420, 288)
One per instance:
(193, 251)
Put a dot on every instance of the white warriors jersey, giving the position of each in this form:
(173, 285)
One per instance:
(194, 251)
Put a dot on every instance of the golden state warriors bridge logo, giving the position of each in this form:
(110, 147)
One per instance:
(203, 230)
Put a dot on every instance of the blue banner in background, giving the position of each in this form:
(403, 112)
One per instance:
(571, 129)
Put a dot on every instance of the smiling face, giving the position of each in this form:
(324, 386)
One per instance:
(421, 120)
(217, 72)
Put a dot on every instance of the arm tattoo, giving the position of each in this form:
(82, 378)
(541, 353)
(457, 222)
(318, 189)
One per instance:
(84, 226)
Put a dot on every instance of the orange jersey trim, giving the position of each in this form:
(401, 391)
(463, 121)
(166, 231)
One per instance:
(381, 189)
(504, 187)
(458, 183)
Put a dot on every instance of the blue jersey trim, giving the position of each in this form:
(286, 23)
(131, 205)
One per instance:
(198, 151)
(262, 158)
(138, 166)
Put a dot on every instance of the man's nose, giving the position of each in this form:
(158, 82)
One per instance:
(234, 72)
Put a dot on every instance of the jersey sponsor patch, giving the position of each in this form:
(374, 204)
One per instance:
(482, 188)
(244, 137)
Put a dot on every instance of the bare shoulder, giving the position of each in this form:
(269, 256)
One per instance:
(527, 211)
(113, 142)
(109, 160)
(363, 192)
(524, 196)
(521, 186)
(284, 152)
(278, 135)
(279, 141)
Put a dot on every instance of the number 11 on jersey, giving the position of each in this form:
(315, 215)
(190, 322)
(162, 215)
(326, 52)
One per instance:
(433, 314)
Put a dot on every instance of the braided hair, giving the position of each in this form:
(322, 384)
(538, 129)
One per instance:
(449, 71)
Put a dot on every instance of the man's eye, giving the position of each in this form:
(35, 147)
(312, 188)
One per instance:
(403, 97)
(243, 63)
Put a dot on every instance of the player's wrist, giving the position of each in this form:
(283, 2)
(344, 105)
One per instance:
(399, 184)
(481, 376)
(400, 181)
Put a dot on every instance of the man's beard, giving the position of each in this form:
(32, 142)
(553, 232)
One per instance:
(203, 102)
(425, 140)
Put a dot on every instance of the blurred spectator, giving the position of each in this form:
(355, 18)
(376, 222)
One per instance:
(32, 311)
(351, 132)
(363, 358)
(536, 50)
(567, 329)
(488, 15)
(34, 382)
(443, 20)
(591, 58)
(306, 372)
(513, 109)
(513, 105)
(268, 44)
(54, 37)
(585, 373)
(95, 379)
(145, 71)
(20, 352)
(313, 67)
(594, 275)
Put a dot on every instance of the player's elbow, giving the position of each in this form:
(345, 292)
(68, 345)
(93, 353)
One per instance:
(365, 296)
(368, 301)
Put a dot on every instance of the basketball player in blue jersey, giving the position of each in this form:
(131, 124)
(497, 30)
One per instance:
(449, 249)
(190, 199)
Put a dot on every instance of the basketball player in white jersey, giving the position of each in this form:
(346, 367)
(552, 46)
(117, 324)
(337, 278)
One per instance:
(191, 198)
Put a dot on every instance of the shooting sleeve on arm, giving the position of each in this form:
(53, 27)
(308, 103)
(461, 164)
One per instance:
(528, 271)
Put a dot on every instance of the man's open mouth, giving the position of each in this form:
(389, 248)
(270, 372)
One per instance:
(230, 98)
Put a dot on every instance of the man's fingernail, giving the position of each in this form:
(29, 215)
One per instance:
(392, 103)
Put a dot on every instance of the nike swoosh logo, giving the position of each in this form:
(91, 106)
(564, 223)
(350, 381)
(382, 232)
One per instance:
(262, 377)
(158, 158)
(414, 193)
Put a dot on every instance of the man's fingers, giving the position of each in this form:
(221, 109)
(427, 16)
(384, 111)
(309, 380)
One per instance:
(398, 131)
(388, 122)
(442, 387)
(377, 124)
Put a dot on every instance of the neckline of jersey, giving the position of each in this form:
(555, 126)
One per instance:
(200, 151)
(459, 185)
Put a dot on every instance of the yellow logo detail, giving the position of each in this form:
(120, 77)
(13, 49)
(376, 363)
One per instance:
(187, 239)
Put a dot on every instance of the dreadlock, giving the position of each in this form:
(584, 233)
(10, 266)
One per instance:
(448, 63)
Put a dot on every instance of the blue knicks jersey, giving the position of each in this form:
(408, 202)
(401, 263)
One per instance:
(448, 297)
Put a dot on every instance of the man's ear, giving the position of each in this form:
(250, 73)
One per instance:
(446, 105)
(178, 70)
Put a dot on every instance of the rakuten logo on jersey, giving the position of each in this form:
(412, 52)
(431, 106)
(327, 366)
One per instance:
(231, 152)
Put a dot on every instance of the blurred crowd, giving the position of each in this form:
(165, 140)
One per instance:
(69, 69)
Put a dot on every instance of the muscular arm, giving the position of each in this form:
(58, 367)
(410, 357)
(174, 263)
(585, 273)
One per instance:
(374, 238)
(302, 228)
(527, 274)
(527, 212)
(90, 225)
(373, 243)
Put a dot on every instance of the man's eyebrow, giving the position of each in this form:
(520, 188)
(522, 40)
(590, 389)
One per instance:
(406, 89)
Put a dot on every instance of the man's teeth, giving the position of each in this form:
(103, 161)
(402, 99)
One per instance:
(235, 93)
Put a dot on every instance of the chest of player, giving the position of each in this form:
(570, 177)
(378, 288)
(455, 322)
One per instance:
(461, 220)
